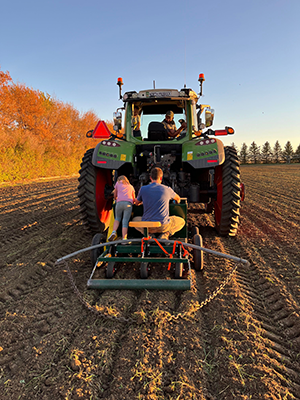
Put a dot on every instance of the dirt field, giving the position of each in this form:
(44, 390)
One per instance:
(244, 344)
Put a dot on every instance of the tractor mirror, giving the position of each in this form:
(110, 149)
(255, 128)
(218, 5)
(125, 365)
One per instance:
(117, 121)
(209, 117)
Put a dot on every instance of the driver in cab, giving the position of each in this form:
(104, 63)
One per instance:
(170, 126)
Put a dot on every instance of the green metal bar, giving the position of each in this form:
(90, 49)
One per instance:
(104, 253)
(154, 249)
(136, 284)
(129, 249)
(143, 259)
(188, 245)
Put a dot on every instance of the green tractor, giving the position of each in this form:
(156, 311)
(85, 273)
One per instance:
(195, 163)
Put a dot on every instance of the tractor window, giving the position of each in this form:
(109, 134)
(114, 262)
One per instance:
(147, 118)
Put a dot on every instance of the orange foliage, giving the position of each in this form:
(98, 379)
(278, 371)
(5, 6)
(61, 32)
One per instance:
(4, 78)
(32, 122)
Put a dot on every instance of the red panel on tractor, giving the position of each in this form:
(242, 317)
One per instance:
(221, 132)
(101, 131)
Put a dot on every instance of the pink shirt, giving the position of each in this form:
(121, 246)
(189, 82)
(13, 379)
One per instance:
(124, 192)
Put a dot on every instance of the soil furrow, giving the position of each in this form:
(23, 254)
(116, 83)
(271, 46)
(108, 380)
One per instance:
(243, 344)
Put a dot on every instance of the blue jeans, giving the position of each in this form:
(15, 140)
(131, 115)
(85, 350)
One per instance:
(123, 212)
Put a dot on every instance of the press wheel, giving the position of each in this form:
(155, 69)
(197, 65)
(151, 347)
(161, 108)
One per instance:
(95, 253)
(144, 270)
(198, 254)
(195, 230)
(110, 270)
(178, 270)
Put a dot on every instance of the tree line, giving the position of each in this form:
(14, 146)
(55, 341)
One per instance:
(266, 154)
(40, 135)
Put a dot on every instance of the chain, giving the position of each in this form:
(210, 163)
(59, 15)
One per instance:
(208, 299)
(183, 315)
(91, 308)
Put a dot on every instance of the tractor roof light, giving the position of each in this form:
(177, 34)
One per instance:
(120, 84)
(201, 80)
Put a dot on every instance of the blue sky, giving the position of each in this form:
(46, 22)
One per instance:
(248, 50)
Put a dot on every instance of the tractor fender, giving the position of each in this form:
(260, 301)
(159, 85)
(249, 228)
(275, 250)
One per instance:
(113, 154)
(203, 152)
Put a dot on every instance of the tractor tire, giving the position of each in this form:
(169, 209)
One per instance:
(95, 209)
(198, 254)
(227, 204)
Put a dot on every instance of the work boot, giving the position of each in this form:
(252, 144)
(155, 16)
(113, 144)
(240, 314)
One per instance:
(112, 236)
(164, 235)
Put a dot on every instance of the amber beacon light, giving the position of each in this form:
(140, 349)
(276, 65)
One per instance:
(201, 80)
(120, 83)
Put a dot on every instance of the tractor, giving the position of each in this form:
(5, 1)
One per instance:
(195, 164)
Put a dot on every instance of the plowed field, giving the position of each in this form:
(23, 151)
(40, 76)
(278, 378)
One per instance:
(243, 344)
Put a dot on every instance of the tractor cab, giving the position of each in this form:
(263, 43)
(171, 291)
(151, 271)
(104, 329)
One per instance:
(151, 106)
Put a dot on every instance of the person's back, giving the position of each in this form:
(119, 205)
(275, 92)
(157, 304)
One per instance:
(124, 192)
(155, 198)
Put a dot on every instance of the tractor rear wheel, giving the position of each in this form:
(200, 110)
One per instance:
(93, 182)
(227, 204)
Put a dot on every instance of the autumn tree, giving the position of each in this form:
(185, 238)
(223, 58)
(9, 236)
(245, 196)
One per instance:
(40, 135)
(266, 153)
(4, 78)
(244, 153)
(254, 153)
(5, 82)
(26, 109)
(287, 152)
(297, 154)
(277, 152)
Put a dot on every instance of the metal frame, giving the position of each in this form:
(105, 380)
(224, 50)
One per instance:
(159, 284)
